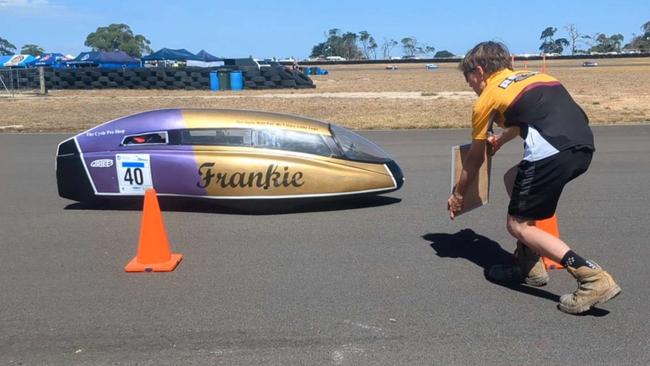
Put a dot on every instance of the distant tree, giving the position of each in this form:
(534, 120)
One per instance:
(574, 37)
(32, 49)
(550, 45)
(118, 37)
(641, 42)
(6, 48)
(387, 47)
(338, 44)
(409, 46)
(604, 44)
(425, 50)
(318, 50)
(368, 45)
(443, 53)
(349, 48)
(373, 48)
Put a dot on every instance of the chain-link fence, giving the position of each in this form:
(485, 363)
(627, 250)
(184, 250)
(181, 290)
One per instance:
(14, 82)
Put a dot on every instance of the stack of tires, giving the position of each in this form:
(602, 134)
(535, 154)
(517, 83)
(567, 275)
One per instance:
(20, 79)
(275, 78)
(141, 78)
(165, 78)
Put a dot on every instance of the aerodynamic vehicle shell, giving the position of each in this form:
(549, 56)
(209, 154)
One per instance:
(222, 154)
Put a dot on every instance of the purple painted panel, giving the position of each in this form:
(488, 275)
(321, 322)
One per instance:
(172, 172)
(108, 136)
(103, 171)
(175, 172)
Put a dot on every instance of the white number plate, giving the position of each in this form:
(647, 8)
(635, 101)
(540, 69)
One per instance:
(133, 173)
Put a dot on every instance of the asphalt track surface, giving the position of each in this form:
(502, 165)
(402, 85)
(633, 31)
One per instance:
(386, 281)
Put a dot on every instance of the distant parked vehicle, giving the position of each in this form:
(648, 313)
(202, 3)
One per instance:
(589, 64)
(335, 58)
(431, 66)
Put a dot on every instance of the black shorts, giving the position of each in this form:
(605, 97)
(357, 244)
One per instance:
(539, 184)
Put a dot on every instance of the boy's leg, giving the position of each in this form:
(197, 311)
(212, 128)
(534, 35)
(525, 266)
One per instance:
(595, 286)
(537, 239)
(535, 194)
(527, 266)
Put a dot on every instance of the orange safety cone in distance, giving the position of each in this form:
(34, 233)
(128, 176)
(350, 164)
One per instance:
(550, 226)
(154, 253)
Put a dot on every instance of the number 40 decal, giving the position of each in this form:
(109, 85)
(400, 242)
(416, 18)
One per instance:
(133, 173)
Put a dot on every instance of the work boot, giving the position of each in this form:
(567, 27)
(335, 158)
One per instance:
(528, 267)
(595, 286)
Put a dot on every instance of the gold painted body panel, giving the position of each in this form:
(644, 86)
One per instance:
(224, 118)
(233, 172)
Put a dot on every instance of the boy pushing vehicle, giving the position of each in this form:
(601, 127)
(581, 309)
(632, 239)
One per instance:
(558, 147)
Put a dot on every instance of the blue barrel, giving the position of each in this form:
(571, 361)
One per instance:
(236, 80)
(214, 81)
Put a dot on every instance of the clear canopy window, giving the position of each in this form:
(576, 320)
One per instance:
(291, 141)
(219, 136)
(356, 147)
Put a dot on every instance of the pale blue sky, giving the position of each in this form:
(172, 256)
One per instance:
(287, 28)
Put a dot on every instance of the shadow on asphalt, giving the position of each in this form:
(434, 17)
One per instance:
(485, 252)
(236, 207)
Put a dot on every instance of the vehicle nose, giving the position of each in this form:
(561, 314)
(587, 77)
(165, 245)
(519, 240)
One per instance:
(396, 171)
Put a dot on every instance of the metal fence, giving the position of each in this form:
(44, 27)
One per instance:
(15, 82)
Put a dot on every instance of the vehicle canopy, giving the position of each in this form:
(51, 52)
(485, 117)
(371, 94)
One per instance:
(110, 135)
(175, 119)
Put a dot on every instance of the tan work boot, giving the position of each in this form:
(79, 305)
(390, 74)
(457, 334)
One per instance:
(528, 268)
(595, 286)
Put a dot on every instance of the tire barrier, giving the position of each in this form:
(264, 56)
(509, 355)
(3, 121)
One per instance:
(168, 78)
(20, 79)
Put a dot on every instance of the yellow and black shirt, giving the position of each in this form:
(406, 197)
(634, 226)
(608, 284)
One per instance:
(550, 121)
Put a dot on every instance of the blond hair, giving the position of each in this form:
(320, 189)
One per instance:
(490, 56)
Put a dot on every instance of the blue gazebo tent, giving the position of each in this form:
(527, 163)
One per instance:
(109, 60)
(167, 54)
(54, 60)
(204, 56)
(16, 60)
(205, 60)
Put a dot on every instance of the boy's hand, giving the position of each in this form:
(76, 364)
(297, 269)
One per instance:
(493, 144)
(454, 204)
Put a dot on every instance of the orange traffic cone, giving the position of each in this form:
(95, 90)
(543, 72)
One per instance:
(550, 226)
(154, 254)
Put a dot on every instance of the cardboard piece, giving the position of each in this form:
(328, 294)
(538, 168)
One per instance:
(478, 191)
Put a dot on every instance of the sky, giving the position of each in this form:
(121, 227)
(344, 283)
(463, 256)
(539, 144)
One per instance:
(290, 28)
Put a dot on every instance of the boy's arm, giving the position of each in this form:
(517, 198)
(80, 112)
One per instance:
(473, 161)
(496, 141)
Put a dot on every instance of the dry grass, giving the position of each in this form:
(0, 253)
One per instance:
(359, 96)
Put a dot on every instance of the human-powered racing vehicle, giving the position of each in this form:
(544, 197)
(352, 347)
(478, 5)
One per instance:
(222, 154)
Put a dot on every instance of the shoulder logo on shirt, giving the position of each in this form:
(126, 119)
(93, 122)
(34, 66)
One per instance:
(516, 78)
